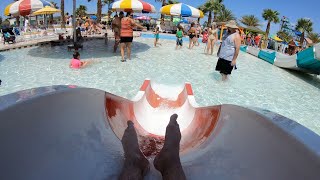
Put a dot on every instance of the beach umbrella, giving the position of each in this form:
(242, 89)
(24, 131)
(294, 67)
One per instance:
(46, 10)
(7, 10)
(181, 9)
(133, 5)
(25, 7)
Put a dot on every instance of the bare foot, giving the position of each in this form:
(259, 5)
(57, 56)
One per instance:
(168, 160)
(136, 165)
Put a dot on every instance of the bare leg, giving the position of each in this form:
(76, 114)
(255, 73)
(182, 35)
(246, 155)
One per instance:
(135, 165)
(208, 46)
(190, 42)
(116, 44)
(168, 160)
(128, 50)
(224, 77)
(193, 42)
(196, 42)
(122, 51)
(212, 45)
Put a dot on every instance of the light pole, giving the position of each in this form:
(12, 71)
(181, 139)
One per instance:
(74, 23)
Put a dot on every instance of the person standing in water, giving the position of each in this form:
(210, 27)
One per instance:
(156, 36)
(192, 35)
(126, 34)
(179, 36)
(116, 26)
(199, 31)
(228, 51)
(213, 36)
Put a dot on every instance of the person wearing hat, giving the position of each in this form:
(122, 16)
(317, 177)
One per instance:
(229, 50)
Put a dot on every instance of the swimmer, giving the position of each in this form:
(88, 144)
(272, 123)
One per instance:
(77, 64)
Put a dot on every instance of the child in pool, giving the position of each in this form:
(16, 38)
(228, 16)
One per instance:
(156, 35)
(77, 64)
(179, 36)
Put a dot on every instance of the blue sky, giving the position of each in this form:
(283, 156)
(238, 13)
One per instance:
(289, 8)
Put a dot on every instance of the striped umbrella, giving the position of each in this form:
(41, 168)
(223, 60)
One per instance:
(133, 5)
(181, 9)
(7, 10)
(25, 7)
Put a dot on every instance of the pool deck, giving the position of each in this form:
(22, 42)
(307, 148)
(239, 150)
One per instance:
(49, 38)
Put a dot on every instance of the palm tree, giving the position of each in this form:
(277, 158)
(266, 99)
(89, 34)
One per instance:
(225, 15)
(211, 6)
(304, 25)
(315, 37)
(250, 20)
(164, 2)
(99, 9)
(81, 11)
(206, 8)
(63, 22)
(217, 6)
(270, 16)
(172, 2)
(108, 3)
(55, 5)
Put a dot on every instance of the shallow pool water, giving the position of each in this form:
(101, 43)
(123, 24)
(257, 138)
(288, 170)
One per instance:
(255, 82)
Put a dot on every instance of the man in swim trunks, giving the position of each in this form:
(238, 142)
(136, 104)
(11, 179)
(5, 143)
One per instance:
(116, 27)
(228, 51)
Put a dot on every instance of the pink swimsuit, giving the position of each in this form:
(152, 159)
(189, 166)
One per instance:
(75, 63)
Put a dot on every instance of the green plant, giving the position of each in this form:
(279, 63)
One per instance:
(304, 25)
(250, 20)
(81, 11)
(225, 15)
(272, 17)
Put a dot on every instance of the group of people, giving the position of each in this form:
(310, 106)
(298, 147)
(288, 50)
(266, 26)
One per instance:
(228, 49)
(227, 53)
(252, 40)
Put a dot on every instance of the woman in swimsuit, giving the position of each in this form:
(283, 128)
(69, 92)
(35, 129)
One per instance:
(212, 38)
(192, 35)
(126, 34)
(199, 31)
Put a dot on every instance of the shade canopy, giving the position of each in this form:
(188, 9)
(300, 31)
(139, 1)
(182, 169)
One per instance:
(47, 10)
(7, 10)
(133, 6)
(181, 9)
(25, 7)
(276, 38)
